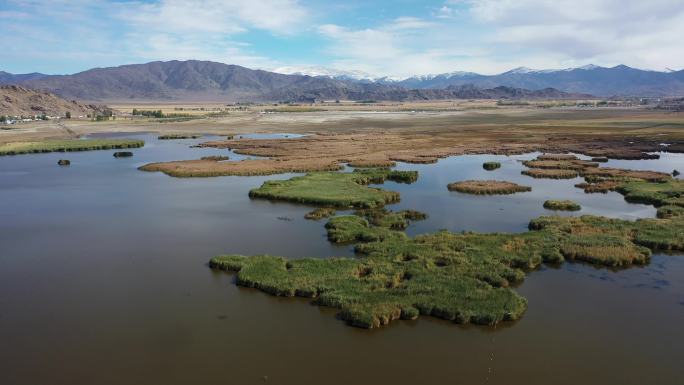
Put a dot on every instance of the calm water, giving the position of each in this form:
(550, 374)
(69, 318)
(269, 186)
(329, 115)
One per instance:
(103, 280)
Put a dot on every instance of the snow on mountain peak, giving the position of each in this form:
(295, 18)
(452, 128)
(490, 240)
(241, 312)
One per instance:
(331, 73)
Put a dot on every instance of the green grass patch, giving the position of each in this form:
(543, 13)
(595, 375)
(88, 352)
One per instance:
(335, 189)
(670, 193)
(550, 173)
(489, 166)
(670, 211)
(462, 277)
(565, 205)
(487, 187)
(320, 213)
(18, 148)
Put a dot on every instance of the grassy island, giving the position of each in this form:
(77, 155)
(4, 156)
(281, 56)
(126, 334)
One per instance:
(487, 187)
(490, 166)
(336, 189)
(370, 225)
(550, 173)
(320, 213)
(565, 205)
(177, 136)
(215, 158)
(462, 277)
(18, 148)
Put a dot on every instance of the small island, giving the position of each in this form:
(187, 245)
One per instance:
(564, 205)
(487, 187)
(490, 166)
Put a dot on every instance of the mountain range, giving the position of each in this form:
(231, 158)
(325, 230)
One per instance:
(194, 80)
(620, 80)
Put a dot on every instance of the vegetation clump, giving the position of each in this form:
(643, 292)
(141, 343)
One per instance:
(370, 225)
(599, 159)
(335, 189)
(215, 158)
(487, 187)
(463, 277)
(18, 148)
(320, 213)
(177, 136)
(370, 163)
(557, 157)
(670, 193)
(123, 154)
(489, 166)
(670, 211)
(564, 205)
(560, 164)
(64, 162)
(550, 173)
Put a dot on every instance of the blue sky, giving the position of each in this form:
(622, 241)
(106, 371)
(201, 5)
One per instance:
(395, 38)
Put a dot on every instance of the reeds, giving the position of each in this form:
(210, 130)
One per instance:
(334, 189)
(490, 166)
(562, 205)
(487, 187)
(320, 213)
(177, 136)
(18, 148)
(549, 173)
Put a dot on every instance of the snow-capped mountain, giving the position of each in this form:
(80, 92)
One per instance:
(331, 73)
(592, 79)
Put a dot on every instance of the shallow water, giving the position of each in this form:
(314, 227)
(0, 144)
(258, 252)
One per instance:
(103, 279)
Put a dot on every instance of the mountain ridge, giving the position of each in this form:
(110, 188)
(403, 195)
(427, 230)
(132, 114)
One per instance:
(195, 80)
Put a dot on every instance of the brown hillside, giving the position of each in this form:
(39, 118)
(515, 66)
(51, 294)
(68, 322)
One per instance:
(20, 101)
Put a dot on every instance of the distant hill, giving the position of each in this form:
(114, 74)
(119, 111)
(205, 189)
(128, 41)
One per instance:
(194, 80)
(20, 101)
(601, 81)
(8, 78)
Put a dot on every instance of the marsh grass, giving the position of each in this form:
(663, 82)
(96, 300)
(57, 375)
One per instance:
(560, 164)
(490, 166)
(367, 163)
(215, 158)
(670, 211)
(557, 157)
(336, 189)
(487, 187)
(18, 148)
(670, 193)
(320, 213)
(177, 136)
(549, 173)
(564, 205)
(461, 277)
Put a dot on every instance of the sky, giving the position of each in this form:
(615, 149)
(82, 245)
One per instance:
(397, 38)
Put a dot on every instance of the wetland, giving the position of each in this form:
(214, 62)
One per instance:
(151, 276)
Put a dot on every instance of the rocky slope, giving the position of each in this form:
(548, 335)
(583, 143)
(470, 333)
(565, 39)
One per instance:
(20, 101)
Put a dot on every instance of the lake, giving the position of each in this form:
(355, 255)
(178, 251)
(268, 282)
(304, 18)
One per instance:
(104, 280)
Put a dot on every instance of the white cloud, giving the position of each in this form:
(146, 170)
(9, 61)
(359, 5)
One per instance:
(217, 16)
(638, 33)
